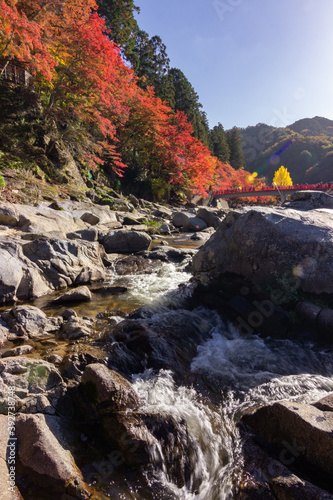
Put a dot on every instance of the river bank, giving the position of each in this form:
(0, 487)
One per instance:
(124, 384)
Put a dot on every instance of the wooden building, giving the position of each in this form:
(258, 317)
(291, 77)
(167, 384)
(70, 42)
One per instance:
(14, 71)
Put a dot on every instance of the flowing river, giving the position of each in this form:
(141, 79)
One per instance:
(237, 373)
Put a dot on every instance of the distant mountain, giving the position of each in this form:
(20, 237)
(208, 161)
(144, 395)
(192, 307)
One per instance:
(313, 126)
(305, 148)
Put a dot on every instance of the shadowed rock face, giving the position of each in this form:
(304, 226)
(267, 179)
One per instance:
(306, 428)
(263, 243)
(290, 454)
(169, 341)
(42, 451)
(140, 438)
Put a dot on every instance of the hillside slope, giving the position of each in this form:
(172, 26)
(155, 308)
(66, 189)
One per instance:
(305, 148)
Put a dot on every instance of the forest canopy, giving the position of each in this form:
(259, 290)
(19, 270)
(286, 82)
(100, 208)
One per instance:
(110, 90)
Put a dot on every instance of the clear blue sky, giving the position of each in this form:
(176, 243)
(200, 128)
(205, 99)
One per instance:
(250, 61)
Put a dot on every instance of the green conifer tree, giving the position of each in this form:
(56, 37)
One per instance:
(219, 143)
(236, 148)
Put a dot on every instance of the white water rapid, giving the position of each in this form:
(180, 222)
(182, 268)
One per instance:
(237, 373)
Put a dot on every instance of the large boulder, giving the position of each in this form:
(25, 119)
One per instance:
(19, 277)
(65, 263)
(126, 241)
(194, 224)
(270, 246)
(8, 477)
(108, 389)
(115, 403)
(302, 429)
(269, 478)
(44, 456)
(136, 435)
(168, 340)
(9, 216)
(36, 268)
(209, 216)
(29, 321)
(179, 218)
(41, 219)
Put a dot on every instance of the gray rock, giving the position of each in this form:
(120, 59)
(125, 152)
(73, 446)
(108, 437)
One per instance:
(107, 389)
(4, 331)
(68, 314)
(5, 466)
(166, 253)
(79, 294)
(8, 214)
(19, 277)
(307, 312)
(157, 341)
(73, 365)
(160, 211)
(17, 351)
(84, 234)
(267, 478)
(194, 224)
(179, 218)
(53, 358)
(42, 450)
(65, 263)
(29, 321)
(136, 264)
(90, 218)
(220, 204)
(41, 219)
(31, 378)
(115, 403)
(305, 427)
(76, 328)
(126, 242)
(134, 200)
(269, 244)
(165, 229)
(325, 404)
(309, 200)
(131, 219)
(209, 216)
(78, 209)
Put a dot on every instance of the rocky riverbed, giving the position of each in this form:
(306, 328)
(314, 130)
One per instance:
(112, 388)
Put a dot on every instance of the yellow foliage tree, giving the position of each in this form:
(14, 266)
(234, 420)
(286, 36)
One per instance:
(282, 177)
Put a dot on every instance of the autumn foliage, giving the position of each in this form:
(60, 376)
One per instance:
(88, 90)
(282, 177)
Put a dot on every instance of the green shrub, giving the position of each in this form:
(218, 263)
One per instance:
(2, 182)
(152, 225)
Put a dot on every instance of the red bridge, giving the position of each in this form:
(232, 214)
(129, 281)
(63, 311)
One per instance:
(270, 190)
